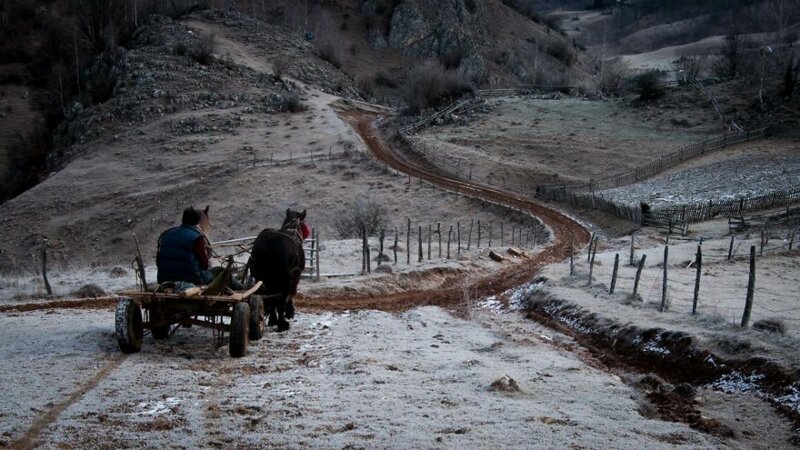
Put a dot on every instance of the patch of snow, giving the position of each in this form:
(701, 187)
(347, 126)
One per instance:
(738, 382)
(157, 408)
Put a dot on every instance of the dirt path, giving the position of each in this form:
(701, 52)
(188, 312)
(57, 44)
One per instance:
(566, 232)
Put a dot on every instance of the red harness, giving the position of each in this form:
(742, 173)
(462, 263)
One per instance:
(305, 231)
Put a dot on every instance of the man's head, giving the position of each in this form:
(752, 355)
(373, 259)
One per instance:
(193, 216)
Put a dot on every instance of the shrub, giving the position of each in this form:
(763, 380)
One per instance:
(203, 52)
(279, 67)
(364, 215)
(329, 52)
(291, 102)
(429, 85)
(561, 51)
(648, 85)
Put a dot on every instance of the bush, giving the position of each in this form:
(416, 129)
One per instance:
(329, 52)
(648, 85)
(291, 102)
(561, 51)
(203, 52)
(430, 85)
(366, 215)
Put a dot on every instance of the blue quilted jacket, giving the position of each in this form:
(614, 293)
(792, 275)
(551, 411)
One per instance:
(176, 259)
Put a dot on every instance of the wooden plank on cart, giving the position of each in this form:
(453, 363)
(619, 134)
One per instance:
(234, 298)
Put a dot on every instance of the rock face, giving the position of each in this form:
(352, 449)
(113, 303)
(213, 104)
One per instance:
(438, 29)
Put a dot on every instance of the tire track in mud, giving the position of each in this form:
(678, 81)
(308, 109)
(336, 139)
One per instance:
(30, 439)
(567, 232)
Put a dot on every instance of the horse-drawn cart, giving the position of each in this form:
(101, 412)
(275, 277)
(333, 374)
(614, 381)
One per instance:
(163, 312)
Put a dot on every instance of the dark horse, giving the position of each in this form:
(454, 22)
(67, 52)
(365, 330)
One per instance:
(278, 260)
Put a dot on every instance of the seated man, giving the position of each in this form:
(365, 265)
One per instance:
(183, 251)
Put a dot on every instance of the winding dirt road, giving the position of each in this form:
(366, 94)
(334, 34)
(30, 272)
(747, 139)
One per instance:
(567, 233)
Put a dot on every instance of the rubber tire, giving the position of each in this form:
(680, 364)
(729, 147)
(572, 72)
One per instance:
(240, 322)
(161, 331)
(128, 320)
(257, 322)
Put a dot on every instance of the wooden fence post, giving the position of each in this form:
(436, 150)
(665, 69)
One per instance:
(633, 256)
(572, 257)
(396, 238)
(791, 241)
(591, 243)
(449, 236)
(363, 252)
(614, 274)
(419, 241)
(664, 283)
(479, 234)
(408, 241)
(591, 264)
(439, 235)
(381, 237)
(730, 248)
(458, 237)
(638, 275)
(501, 235)
(513, 233)
(490, 234)
(699, 264)
(429, 242)
(761, 248)
(47, 286)
(317, 240)
(751, 287)
(469, 236)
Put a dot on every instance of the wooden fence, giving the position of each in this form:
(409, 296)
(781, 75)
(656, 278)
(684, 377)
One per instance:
(665, 162)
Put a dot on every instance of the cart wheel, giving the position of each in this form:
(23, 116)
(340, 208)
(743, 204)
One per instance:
(239, 326)
(257, 325)
(160, 331)
(128, 320)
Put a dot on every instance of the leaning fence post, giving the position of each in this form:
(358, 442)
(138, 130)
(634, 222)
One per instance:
(614, 274)
(638, 275)
(699, 263)
(591, 263)
(791, 241)
(751, 287)
(469, 235)
(730, 248)
(44, 268)
(591, 243)
(664, 283)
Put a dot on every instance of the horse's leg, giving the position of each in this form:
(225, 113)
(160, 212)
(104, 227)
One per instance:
(283, 324)
(270, 305)
(290, 307)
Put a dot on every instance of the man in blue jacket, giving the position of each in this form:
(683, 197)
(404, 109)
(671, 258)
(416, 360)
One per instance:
(183, 251)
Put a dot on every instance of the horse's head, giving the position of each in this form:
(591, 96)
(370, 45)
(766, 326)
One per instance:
(293, 219)
(197, 217)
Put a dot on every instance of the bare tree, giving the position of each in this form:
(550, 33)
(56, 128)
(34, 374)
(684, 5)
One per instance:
(688, 67)
(731, 54)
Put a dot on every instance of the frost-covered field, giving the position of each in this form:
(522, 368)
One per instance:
(421, 379)
(745, 170)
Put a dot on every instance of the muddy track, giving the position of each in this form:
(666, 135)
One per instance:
(567, 233)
